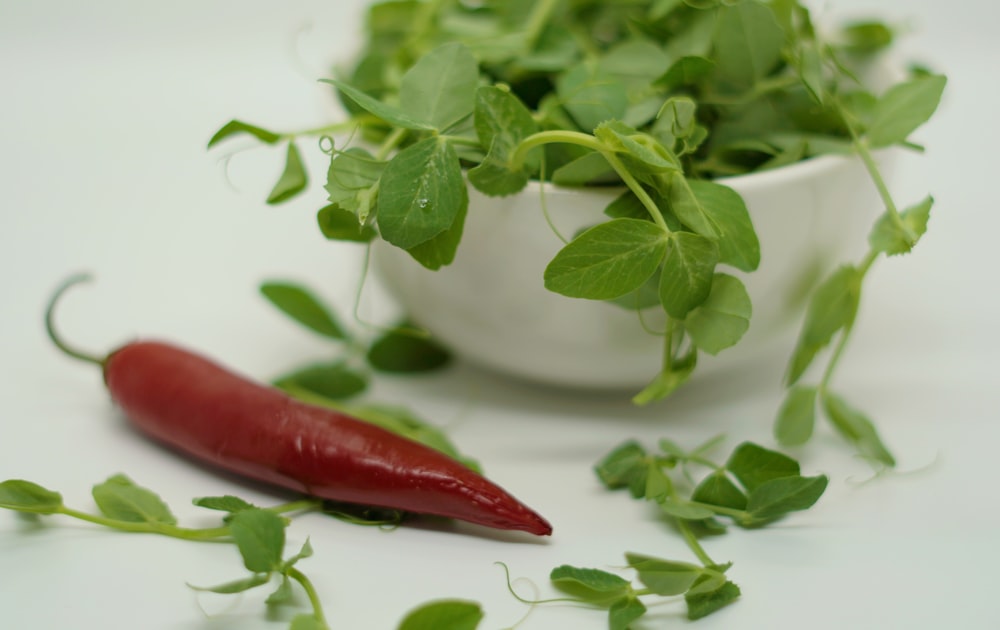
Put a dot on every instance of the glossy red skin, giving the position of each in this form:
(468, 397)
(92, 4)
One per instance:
(214, 415)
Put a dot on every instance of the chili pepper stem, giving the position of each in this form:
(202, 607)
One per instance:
(50, 327)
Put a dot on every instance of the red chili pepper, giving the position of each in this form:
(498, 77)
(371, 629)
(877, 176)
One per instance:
(203, 410)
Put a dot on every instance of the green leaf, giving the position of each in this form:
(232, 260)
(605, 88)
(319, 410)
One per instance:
(234, 127)
(608, 260)
(723, 318)
(857, 428)
(440, 250)
(335, 381)
(260, 537)
(658, 485)
(26, 496)
(688, 270)
(590, 96)
(121, 499)
(339, 224)
(755, 465)
(866, 36)
(685, 511)
(439, 89)
(449, 614)
(686, 71)
(688, 207)
(898, 236)
(730, 221)
(832, 307)
(903, 108)
(293, 179)
(718, 489)
(797, 416)
(389, 113)
(236, 586)
(777, 497)
(590, 585)
(227, 503)
(301, 305)
(403, 351)
(664, 577)
(748, 44)
(625, 467)
(501, 120)
(421, 194)
(623, 612)
(352, 182)
(701, 604)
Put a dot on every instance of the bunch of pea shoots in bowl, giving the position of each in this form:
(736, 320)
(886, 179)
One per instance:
(623, 195)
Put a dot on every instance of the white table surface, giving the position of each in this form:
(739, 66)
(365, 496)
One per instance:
(105, 109)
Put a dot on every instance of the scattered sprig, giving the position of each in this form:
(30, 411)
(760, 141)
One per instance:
(258, 533)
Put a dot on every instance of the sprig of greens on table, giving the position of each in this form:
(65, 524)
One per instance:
(659, 97)
(754, 487)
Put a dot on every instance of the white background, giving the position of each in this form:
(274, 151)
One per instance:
(105, 109)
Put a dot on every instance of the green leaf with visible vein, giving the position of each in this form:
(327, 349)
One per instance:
(26, 496)
(389, 113)
(723, 318)
(421, 194)
(121, 499)
(777, 497)
(439, 89)
(590, 585)
(730, 221)
(903, 108)
(688, 271)
(608, 260)
(664, 577)
(754, 465)
(260, 537)
(623, 612)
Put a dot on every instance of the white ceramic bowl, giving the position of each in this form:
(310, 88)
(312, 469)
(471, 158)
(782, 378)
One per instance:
(491, 308)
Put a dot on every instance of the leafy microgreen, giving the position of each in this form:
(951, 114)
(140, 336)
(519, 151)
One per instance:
(421, 193)
(404, 350)
(26, 496)
(686, 279)
(608, 260)
(236, 127)
(722, 319)
(591, 585)
(754, 487)
(293, 179)
(302, 306)
(903, 108)
(894, 236)
(452, 614)
(336, 223)
(121, 499)
(227, 503)
(439, 89)
(335, 381)
(797, 416)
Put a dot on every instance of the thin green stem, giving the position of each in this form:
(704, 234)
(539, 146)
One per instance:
(637, 189)
(694, 544)
(323, 130)
(50, 326)
(163, 529)
(845, 335)
(541, 138)
(311, 593)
